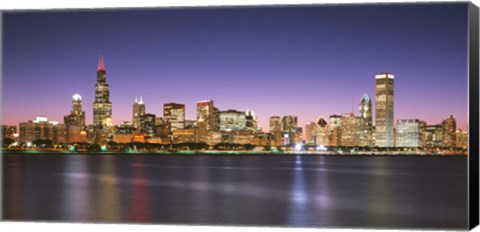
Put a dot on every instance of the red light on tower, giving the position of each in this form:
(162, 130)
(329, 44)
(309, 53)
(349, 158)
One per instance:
(101, 64)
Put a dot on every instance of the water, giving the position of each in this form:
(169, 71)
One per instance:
(293, 191)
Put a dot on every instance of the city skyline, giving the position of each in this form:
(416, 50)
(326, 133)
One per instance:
(280, 96)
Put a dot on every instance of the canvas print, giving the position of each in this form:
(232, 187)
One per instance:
(323, 116)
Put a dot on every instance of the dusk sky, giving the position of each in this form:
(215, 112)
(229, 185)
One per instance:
(306, 61)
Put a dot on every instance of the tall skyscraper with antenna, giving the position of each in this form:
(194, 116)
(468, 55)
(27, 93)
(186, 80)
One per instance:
(138, 112)
(102, 107)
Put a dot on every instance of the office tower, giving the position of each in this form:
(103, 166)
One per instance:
(42, 129)
(449, 127)
(432, 137)
(334, 130)
(322, 132)
(365, 127)
(76, 116)
(232, 120)
(348, 130)
(409, 133)
(138, 112)
(251, 121)
(311, 133)
(147, 125)
(206, 113)
(276, 131)
(289, 129)
(174, 116)
(102, 107)
(462, 139)
(384, 110)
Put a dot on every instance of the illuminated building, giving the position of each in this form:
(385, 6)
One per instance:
(261, 139)
(161, 128)
(322, 135)
(138, 112)
(174, 116)
(289, 129)
(125, 127)
(432, 137)
(102, 107)
(184, 136)
(77, 134)
(335, 130)
(206, 113)
(232, 120)
(348, 131)
(276, 131)
(9, 131)
(449, 127)
(147, 125)
(298, 135)
(365, 127)
(409, 133)
(311, 133)
(76, 116)
(42, 129)
(384, 110)
(190, 124)
(201, 133)
(462, 139)
(251, 120)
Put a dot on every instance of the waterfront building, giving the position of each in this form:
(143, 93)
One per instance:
(161, 128)
(348, 130)
(102, 107)
(449, 127)
(322, 135)
(174, 116)
(334, 129)
(275, 131)
(138, 112)
(462, 139)
(42, 129)
(76, 116)
(311, 133)
(206, 112)
(251, 121)
(125, 127)
(432, 137)
(190, 124)
(409, 133)
(384, 116)
(232, 120)
(365, 123)
(201, 133)
(147, 125)
(77, 134)
(184, 136)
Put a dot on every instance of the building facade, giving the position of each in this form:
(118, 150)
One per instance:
(102, 107)
(365, 123)
(206, 113)
(174, 116)
(449, 127)
(76, 116)
(138, 112)
(384, 99)
(409, 133)
(232, 120)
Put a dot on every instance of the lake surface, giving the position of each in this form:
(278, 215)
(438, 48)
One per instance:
(292, 191)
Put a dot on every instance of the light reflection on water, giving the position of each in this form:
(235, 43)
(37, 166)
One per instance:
(307, 191)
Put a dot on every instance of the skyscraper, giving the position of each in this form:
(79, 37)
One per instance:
(365, 126)
(102, 107)
(174, 116)
(384, 110)
(206, 113)
(138, 112)
(449, 128)
(409, 133)
(76, 116)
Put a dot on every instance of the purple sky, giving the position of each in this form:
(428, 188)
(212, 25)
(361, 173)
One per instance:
(304, 61)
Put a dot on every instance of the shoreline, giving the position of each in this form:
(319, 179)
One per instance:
(220, 153)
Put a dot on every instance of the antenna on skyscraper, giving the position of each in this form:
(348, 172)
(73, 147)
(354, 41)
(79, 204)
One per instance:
(101, 63)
